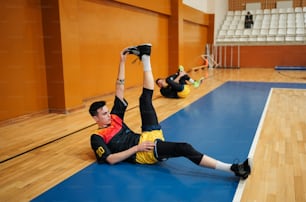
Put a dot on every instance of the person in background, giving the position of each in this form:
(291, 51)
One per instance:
(248, 23)
(177, 85)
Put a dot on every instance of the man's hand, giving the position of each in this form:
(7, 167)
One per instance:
(145, 146)
(123, 54)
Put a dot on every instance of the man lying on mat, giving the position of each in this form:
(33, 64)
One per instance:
(114, 142)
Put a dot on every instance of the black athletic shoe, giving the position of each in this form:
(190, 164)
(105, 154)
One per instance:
(144, 49)
(242, 170)
(140, 50)
(131, 50)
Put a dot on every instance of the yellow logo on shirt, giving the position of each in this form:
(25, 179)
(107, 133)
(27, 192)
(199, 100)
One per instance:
(100, 151)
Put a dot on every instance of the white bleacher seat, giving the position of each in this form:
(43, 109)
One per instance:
(244, 12)
(281, 32)
(236, 18)
(299, 20)
(230, 13)
(289, 10)
(238, 33)
(258, 21)
(258, 17)
(242, 18)
(229, 18)
(282, 20)
(272, 32)
(229, 35)
(252, 39)
(243, 39)
(261, 38)
(299, 16)
(238, 12)
(298, 9)
(299, 25)
(282, 17)
(240, 25)
(265, 26)
(291, 24)
(219, 40)
(300, 31)
(221, 35)
(225, 27)
(290, 31)
(270, 38)
(274, 16)
(257, 25)
(274, 10)
(291, 17)
(267, 11)
(279, 38)
(264, 32)
(254, 34)
(266, 18)
(304, 9)
(290, 38)
(274, 24)
(233, 26)
(300, 38)
(247, 32)
(281, 10)
(282, 24)
(245, 35)
(259, 12)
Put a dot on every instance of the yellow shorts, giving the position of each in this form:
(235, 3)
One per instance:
(185, 92)
(148, 157)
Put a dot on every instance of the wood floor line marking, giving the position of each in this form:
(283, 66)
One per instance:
(242, 183)
(57, 139)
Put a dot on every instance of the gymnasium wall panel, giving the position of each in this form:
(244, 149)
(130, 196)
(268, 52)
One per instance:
(57, 54)
(105, 28)
(22, 73)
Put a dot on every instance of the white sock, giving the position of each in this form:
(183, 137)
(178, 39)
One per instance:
(191, 80)
(146, 63)
(223, 166)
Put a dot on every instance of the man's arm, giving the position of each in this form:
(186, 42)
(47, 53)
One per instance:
(103, 154)
(121, 156)
(174, 82)
(121, 76)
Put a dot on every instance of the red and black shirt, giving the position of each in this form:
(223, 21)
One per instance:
(116, 137)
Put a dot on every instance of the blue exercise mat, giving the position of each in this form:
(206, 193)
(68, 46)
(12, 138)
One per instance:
(221, 124)
(290, 67)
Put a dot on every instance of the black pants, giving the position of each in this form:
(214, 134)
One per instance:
(163, 149)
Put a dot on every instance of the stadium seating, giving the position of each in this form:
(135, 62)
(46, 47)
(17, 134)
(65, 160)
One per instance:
(283, 25)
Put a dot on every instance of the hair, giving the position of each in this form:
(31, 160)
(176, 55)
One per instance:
(95, 106)
(156, 81)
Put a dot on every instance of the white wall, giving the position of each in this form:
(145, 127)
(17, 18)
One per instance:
(221, 8)
(196, 4)
(217, 7)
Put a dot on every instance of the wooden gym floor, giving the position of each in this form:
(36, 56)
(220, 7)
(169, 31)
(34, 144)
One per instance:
(41, 151)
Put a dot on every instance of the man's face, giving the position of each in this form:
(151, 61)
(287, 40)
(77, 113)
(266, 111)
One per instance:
(160, 83)
(103, 117)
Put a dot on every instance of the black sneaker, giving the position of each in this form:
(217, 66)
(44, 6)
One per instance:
(242, 170)
(131, 50)
(140, 50)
